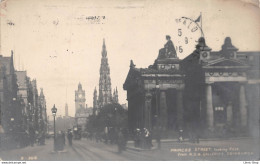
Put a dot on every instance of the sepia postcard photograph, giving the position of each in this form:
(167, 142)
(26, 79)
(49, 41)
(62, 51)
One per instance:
(129, 80)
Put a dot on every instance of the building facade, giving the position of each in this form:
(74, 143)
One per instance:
(42, 115)
(21, 114)
(222, 89)
(155, 94)
(81, 113)
(209, 92)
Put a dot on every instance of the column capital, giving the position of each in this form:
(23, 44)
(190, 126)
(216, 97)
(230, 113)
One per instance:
(209, 83)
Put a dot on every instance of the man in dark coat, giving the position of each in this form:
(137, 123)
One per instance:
(69, 136)
(120, 141)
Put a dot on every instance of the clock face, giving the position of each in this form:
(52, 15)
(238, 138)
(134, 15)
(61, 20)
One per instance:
(80, 95)
(186, 35)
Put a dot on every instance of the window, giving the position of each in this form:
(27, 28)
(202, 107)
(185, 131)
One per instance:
(219, 108)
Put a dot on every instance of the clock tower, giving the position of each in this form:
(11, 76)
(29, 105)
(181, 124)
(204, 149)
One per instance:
(79, 99)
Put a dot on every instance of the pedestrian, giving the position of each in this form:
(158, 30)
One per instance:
(147, 140)
(69, 136)
(157, 136)
(106, 134)
(32, 136)
(180, 138)
(125, 134)
(197, 135)
(137, 137)
(97, 137)
(59, 141)
(63, 137)
(120, 142)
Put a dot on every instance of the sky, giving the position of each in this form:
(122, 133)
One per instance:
(58, 43)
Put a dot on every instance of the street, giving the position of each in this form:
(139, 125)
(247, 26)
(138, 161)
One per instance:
(86, 150)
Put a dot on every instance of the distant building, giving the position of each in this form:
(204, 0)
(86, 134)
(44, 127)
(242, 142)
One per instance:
(105, 92)
(81, 113)
(66, 110)
(22, 82)
(42, 115)
(95, 102)
(115, 96)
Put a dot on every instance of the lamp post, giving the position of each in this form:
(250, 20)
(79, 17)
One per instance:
(54, 111)
(116, 118)
(157, 90)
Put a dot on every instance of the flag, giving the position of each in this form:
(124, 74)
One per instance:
(198, 19)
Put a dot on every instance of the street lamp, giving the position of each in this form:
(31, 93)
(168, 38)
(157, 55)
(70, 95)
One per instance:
(54, 111)
(157, 90)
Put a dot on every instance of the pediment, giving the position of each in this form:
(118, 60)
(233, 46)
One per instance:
(226, 63)
(132, 78)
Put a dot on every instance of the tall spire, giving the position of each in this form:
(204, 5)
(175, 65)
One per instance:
(115, 95)
(105, 96)
(66, 110)
(104, 51)
(95, 105)
(79, 86)
(41, 93)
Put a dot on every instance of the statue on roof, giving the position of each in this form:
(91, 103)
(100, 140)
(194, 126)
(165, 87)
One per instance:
(168, 51)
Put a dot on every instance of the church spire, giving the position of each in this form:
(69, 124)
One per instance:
(115, 95)
(95, 105)
(66, 110)
(104, 51)
(105, 96)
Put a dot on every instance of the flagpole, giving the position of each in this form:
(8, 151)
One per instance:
(201, 24)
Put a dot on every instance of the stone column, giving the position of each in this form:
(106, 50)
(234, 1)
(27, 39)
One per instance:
(163, 110)
(253, 108)
(209, 107)
(229, 113)
(147, 111)
(242, 106)
(180, 108)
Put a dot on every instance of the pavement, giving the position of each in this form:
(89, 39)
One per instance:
(130, 144)
(245, 149)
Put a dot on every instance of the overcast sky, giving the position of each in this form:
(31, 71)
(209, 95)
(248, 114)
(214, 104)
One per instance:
(57, 45)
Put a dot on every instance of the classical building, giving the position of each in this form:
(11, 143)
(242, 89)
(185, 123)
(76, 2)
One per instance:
(222, 89)
(155, 94)
(207, 91)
